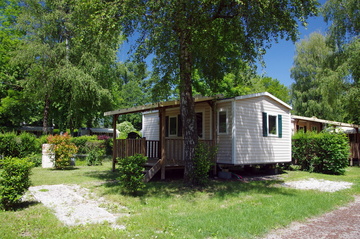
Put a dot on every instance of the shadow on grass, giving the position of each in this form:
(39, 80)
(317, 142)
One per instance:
(175, 186)
(23, 205)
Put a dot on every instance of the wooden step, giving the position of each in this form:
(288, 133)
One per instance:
(152, 171)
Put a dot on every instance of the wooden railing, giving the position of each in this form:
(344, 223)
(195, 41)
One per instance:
(151, 148)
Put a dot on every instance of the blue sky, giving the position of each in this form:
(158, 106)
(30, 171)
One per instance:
(279, 58)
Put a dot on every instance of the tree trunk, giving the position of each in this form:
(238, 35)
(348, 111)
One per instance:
(187, 106)
(46, 115)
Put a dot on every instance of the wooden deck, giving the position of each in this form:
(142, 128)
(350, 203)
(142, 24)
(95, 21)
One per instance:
(174, 153)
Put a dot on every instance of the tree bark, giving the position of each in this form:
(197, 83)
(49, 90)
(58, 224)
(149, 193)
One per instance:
(46, 115)
(187, 105)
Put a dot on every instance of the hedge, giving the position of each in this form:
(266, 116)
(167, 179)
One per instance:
(324, 152)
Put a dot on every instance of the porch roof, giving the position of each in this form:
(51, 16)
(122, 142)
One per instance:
(155, 106)
(314, 119)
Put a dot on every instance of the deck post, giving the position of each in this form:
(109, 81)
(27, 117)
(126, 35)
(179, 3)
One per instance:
(162, 141)
(214, 132)
(115, 117)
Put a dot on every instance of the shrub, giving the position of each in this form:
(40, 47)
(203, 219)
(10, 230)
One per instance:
(131, 173)
(27, 144)
(95, 150)
(8, 145)
(80, 142)
(14, 181)
(325, 152)
(108, 143)
(203, 160)
(63, 149)
(12, 145)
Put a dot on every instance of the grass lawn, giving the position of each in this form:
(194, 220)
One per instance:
(225, 209)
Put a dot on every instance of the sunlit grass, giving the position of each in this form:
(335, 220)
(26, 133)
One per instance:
(224, 209)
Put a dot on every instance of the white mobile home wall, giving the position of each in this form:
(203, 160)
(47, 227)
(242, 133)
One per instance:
(244, 142)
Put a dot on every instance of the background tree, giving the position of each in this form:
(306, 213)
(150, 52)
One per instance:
(344, 30)
(210, 37)
(70, 59)
(15, 107)
(319, 86)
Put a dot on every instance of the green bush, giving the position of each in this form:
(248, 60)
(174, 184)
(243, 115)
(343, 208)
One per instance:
(14, 181)
(80, 142)
(95, 150)
(8, 145)
(12, 145)
(203, 160)
(325, 152)
(131, 173)
(63, 149)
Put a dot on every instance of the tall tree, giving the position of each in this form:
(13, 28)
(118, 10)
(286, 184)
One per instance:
(319, 86)
(210, 37)
(70, 57)
(344, 31)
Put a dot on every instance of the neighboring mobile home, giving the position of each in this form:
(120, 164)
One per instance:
(247, 130)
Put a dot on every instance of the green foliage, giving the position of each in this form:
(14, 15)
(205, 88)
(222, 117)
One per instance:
(63, 149)
(95, 150)
(80, 142)
(325, 152)
(14, 181)
(131, 173)
(22, 145)
(125, 128)
(205, 157)
(319, 88)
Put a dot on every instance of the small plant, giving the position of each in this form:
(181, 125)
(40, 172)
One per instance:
(14, 181)
(63, 149)
(203, 160)
(131, 173)
(95, 150)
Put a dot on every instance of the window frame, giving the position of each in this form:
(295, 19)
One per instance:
(276, 125)
(226, 122)
(176, 126)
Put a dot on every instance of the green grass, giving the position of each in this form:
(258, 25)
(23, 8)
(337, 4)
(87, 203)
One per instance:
(225, 209)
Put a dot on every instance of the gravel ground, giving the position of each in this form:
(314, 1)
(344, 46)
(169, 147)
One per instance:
(338, 224)
(74, 205)
(318, 184)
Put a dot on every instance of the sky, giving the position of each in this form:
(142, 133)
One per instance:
(279, 58)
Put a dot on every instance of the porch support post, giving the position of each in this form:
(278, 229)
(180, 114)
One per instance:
(115, 117)
(214, 133)
(162, 141)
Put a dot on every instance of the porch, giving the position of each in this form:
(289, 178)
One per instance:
(160, 157)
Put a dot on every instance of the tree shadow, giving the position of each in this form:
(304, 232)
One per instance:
(22, 205)
(174, 185)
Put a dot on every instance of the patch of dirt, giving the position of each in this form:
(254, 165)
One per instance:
(74, 205)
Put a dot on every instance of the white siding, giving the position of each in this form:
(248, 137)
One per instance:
(151, 125)
(224, 141)
(251, 146)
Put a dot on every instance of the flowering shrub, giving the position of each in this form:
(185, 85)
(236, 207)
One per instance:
(63, 150)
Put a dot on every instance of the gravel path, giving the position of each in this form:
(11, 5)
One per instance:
(340, 223)
(74, 205)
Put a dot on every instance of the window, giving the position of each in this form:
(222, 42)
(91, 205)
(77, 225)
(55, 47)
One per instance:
(272, 125)
(222, 122)
(314, 128)
(173, 126)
